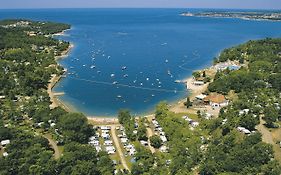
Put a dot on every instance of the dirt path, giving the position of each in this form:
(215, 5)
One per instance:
(149, 134)
(55, 147)
(267, 137)
(118, 147)
(276, 134)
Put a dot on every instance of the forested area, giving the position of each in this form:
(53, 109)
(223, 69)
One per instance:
(27, 61)
(258, 84)
(257, 87)
(217, 147)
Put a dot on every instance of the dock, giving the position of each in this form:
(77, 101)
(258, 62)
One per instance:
(59, 93)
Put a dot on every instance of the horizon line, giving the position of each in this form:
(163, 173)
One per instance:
(218, 8)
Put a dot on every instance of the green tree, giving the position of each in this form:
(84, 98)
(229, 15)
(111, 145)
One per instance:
(270, 116)
(196, 74)
(188, 103)
(75, 127)
(155, 141)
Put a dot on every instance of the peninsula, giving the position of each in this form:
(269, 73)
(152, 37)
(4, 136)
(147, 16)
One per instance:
(273, 16)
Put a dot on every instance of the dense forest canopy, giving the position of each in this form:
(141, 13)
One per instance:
(27, 61)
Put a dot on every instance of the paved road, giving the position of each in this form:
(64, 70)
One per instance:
(118, 147)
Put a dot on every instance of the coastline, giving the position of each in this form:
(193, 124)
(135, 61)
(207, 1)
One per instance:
(176, 106)
(55, 101)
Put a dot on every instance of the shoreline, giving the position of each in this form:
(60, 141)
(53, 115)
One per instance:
(193, 91)
(176, 106)
(55, 101)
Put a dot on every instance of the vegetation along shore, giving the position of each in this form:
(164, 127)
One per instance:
(230, 123)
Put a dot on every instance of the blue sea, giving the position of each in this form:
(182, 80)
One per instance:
(130, 58)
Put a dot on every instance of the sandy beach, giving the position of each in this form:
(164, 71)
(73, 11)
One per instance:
(102, 120)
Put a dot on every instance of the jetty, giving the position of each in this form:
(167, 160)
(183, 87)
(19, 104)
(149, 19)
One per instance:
(59, 93)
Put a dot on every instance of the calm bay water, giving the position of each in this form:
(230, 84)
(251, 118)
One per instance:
(130, 58)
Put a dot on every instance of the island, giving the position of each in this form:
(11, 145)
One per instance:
(229, 124)
(273, 16)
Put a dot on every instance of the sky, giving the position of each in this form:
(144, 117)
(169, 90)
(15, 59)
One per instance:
(233, 4)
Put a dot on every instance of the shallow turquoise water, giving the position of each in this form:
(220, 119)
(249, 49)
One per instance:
(144, 50)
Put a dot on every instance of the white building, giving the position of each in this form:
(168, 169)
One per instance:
(200, 97)
(124, 140)
(132, 151)
(5, 142)
(243, 130)
(94, 142)
(163, 149)
(144, 143)
(105, 127)
(194, 124)
(108, 143)
(105, 136)
(5, 154)
(110, 149)
(163, 138)
(98, 148)
(198, 83)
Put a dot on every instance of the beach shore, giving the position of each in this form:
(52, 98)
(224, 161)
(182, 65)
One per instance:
(194, 91)
(55, 102)
(102, 120)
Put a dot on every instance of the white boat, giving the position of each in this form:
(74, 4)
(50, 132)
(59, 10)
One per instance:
(119, 96)
(166, 61)
(92, 67)
(169, 72)
(112, 75)
(124, 68)
(115, 82)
